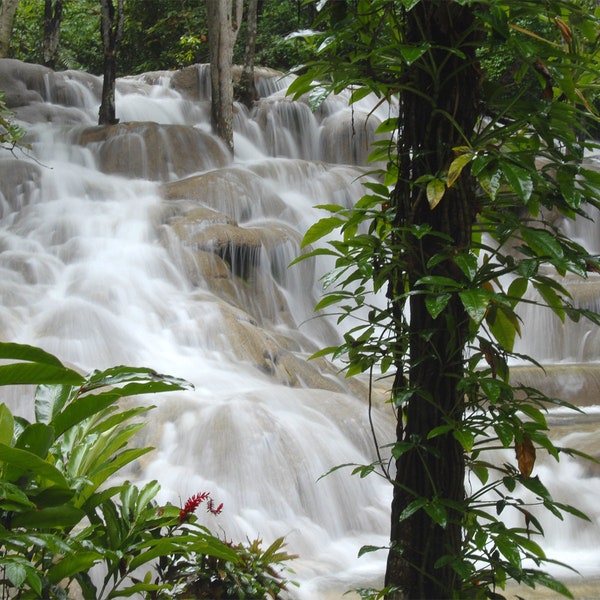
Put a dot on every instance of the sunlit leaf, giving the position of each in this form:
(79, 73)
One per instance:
(436, 189)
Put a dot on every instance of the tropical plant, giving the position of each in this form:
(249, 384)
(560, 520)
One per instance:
(10, 132)
(67, 523)
(432, 264)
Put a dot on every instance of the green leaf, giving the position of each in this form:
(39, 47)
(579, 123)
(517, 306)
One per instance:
(51, 517)
(518, 178)
(548, 581)
(467, 263)
(436, 303)
(509, 550)
(476, 302)
(464, 438)
(437, 512)
(411, 54)
(552, 299)
(37, 373)
(73, 563)
(320, 229)
(28, 353)
(504, 327)
(50, 399)
(412, 508)
(30, 463)
(542, 242)
(7, 425)
(15, 572)
(436, 189)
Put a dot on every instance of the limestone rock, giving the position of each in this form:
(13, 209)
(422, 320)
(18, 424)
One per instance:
(153, 151)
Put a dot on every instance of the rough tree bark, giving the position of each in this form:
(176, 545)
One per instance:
(52, 20)
(111, 26)
(444, 103)
(8, 8)
(246, 90)
(223, 26)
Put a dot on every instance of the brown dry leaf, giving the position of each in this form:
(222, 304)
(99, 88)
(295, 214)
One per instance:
(525, 456)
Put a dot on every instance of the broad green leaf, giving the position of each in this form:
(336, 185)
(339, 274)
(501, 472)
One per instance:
(476, 302)
(51, 517)
(508, 549)
(464, 438)
(411, 53)
(516, 290)
(358, 94)
(412, 508)
(548, 581)
(28, 462)
(436, 189)
(504, 328)
(437, 512)
(13, 498)
(552, 299)
(28, 353)
(518, 178)
(50, 400)
(36, 438)
(320, 229)
(542, 242)
(438, 280)
(28, 373)
(15, 572)
(73, 563)
(436, 303)
(467, 263)
(7, 425)
(141, 375)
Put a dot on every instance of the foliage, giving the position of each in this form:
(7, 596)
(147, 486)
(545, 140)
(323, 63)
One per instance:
(159, 34)
(255, 574)
(80, 42)
(525, 159)
(10, 132)
(63, 516)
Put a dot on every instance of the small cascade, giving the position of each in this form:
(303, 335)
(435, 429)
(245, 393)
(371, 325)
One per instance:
(147, 243)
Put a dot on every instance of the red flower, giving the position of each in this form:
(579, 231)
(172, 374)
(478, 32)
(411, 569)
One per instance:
(194, 501)
(210, 507)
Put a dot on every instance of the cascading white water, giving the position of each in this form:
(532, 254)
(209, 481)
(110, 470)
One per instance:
(146, 244)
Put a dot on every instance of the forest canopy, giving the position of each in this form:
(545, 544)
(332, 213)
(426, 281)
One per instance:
(159, 34)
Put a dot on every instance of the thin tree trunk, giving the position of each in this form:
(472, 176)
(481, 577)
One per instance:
(52, 21)
(112, 33)
(246, 91)
(223, 27)
(8, 8)
(434, 468)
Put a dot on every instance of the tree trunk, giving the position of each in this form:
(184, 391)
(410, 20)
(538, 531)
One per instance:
(112, 32)
(223, 27)
(52, 21)
(246, 91)
(431, 120)
(8, 8)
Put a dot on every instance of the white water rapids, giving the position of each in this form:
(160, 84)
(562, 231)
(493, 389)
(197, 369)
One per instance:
(148, 245)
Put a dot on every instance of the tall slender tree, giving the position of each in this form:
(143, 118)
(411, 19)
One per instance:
(8, 8)
(224, 18)
(111, 25)
(53, 10)
(454, 231)
(246, 89)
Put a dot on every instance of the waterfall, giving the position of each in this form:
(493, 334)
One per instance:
(146, 243)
